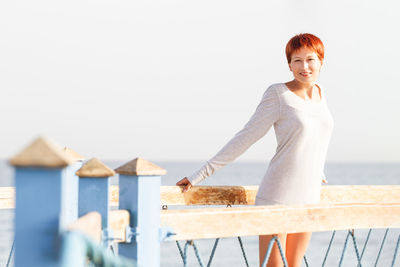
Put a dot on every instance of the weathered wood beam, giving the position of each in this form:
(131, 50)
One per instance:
(246, 221)
(89, 224)
(245, 195)
(360, 194)
(119, 220)
(7, 197)
(209, 195)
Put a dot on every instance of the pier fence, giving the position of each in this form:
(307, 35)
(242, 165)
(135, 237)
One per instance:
(66, 211)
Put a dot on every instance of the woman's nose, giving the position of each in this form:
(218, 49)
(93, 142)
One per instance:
(304, 65)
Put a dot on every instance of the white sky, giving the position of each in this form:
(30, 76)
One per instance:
(175, 80)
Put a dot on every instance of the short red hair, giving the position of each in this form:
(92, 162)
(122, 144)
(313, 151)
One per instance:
(305, 40)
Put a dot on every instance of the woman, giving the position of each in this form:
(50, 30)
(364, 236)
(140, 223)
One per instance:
(303, 124)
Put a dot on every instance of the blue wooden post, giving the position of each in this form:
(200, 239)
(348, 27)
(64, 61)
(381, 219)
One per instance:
(46, 192)
(94, 192)
(139, 193)
(69, 211)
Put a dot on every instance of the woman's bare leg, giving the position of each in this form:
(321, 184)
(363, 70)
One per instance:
(275, 259)
(296, 246)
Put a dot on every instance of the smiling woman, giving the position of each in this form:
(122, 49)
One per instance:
(305, 55)
(303, 124)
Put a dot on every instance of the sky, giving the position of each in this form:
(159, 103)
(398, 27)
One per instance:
(175, 80)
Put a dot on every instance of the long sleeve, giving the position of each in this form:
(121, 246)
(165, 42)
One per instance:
(266, 113)
(324, 177)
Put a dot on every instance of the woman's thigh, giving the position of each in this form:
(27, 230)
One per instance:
(275, 258)
(296, 246)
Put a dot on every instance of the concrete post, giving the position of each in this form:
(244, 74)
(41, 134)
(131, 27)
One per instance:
(139, 193)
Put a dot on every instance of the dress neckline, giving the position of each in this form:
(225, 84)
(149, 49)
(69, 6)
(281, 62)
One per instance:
(307, 101)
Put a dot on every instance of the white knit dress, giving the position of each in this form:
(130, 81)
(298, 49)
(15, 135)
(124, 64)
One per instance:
(303, 130)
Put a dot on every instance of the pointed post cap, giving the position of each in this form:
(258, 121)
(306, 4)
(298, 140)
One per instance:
(75, 156)
(95, 168)
(139, 166)
(42, 152)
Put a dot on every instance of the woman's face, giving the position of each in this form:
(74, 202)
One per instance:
(305, 65)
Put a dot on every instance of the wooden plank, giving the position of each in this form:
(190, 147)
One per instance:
(114, 198)
(89, 224)
(119, 220)
(360, 194)
(245, 195)
(7, 197)
(255, 220)
(209, 195)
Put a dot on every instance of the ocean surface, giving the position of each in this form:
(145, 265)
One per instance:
(228, 252)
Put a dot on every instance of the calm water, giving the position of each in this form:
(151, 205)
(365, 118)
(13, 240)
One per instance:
(228, 252)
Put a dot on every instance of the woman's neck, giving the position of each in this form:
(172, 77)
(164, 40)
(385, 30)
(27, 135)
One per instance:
(295, 85)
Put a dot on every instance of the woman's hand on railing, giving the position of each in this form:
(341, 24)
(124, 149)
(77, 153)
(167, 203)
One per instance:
(185, 183)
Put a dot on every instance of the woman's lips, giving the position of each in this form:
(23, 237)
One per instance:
(305, 74)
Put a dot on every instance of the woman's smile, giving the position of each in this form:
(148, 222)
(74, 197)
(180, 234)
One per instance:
(305, 65)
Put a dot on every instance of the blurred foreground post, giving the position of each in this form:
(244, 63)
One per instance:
(46, 201)
(139, 183)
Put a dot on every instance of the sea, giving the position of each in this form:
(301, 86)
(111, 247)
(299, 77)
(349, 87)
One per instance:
(228, 251)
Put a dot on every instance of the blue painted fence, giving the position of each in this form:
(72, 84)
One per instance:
(49, 198)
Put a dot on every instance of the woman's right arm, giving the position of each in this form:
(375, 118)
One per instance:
(266, 113)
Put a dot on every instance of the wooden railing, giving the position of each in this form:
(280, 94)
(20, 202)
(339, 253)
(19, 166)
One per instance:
(47, 185)
(341, 207)
(81, 243)
(245, 195)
